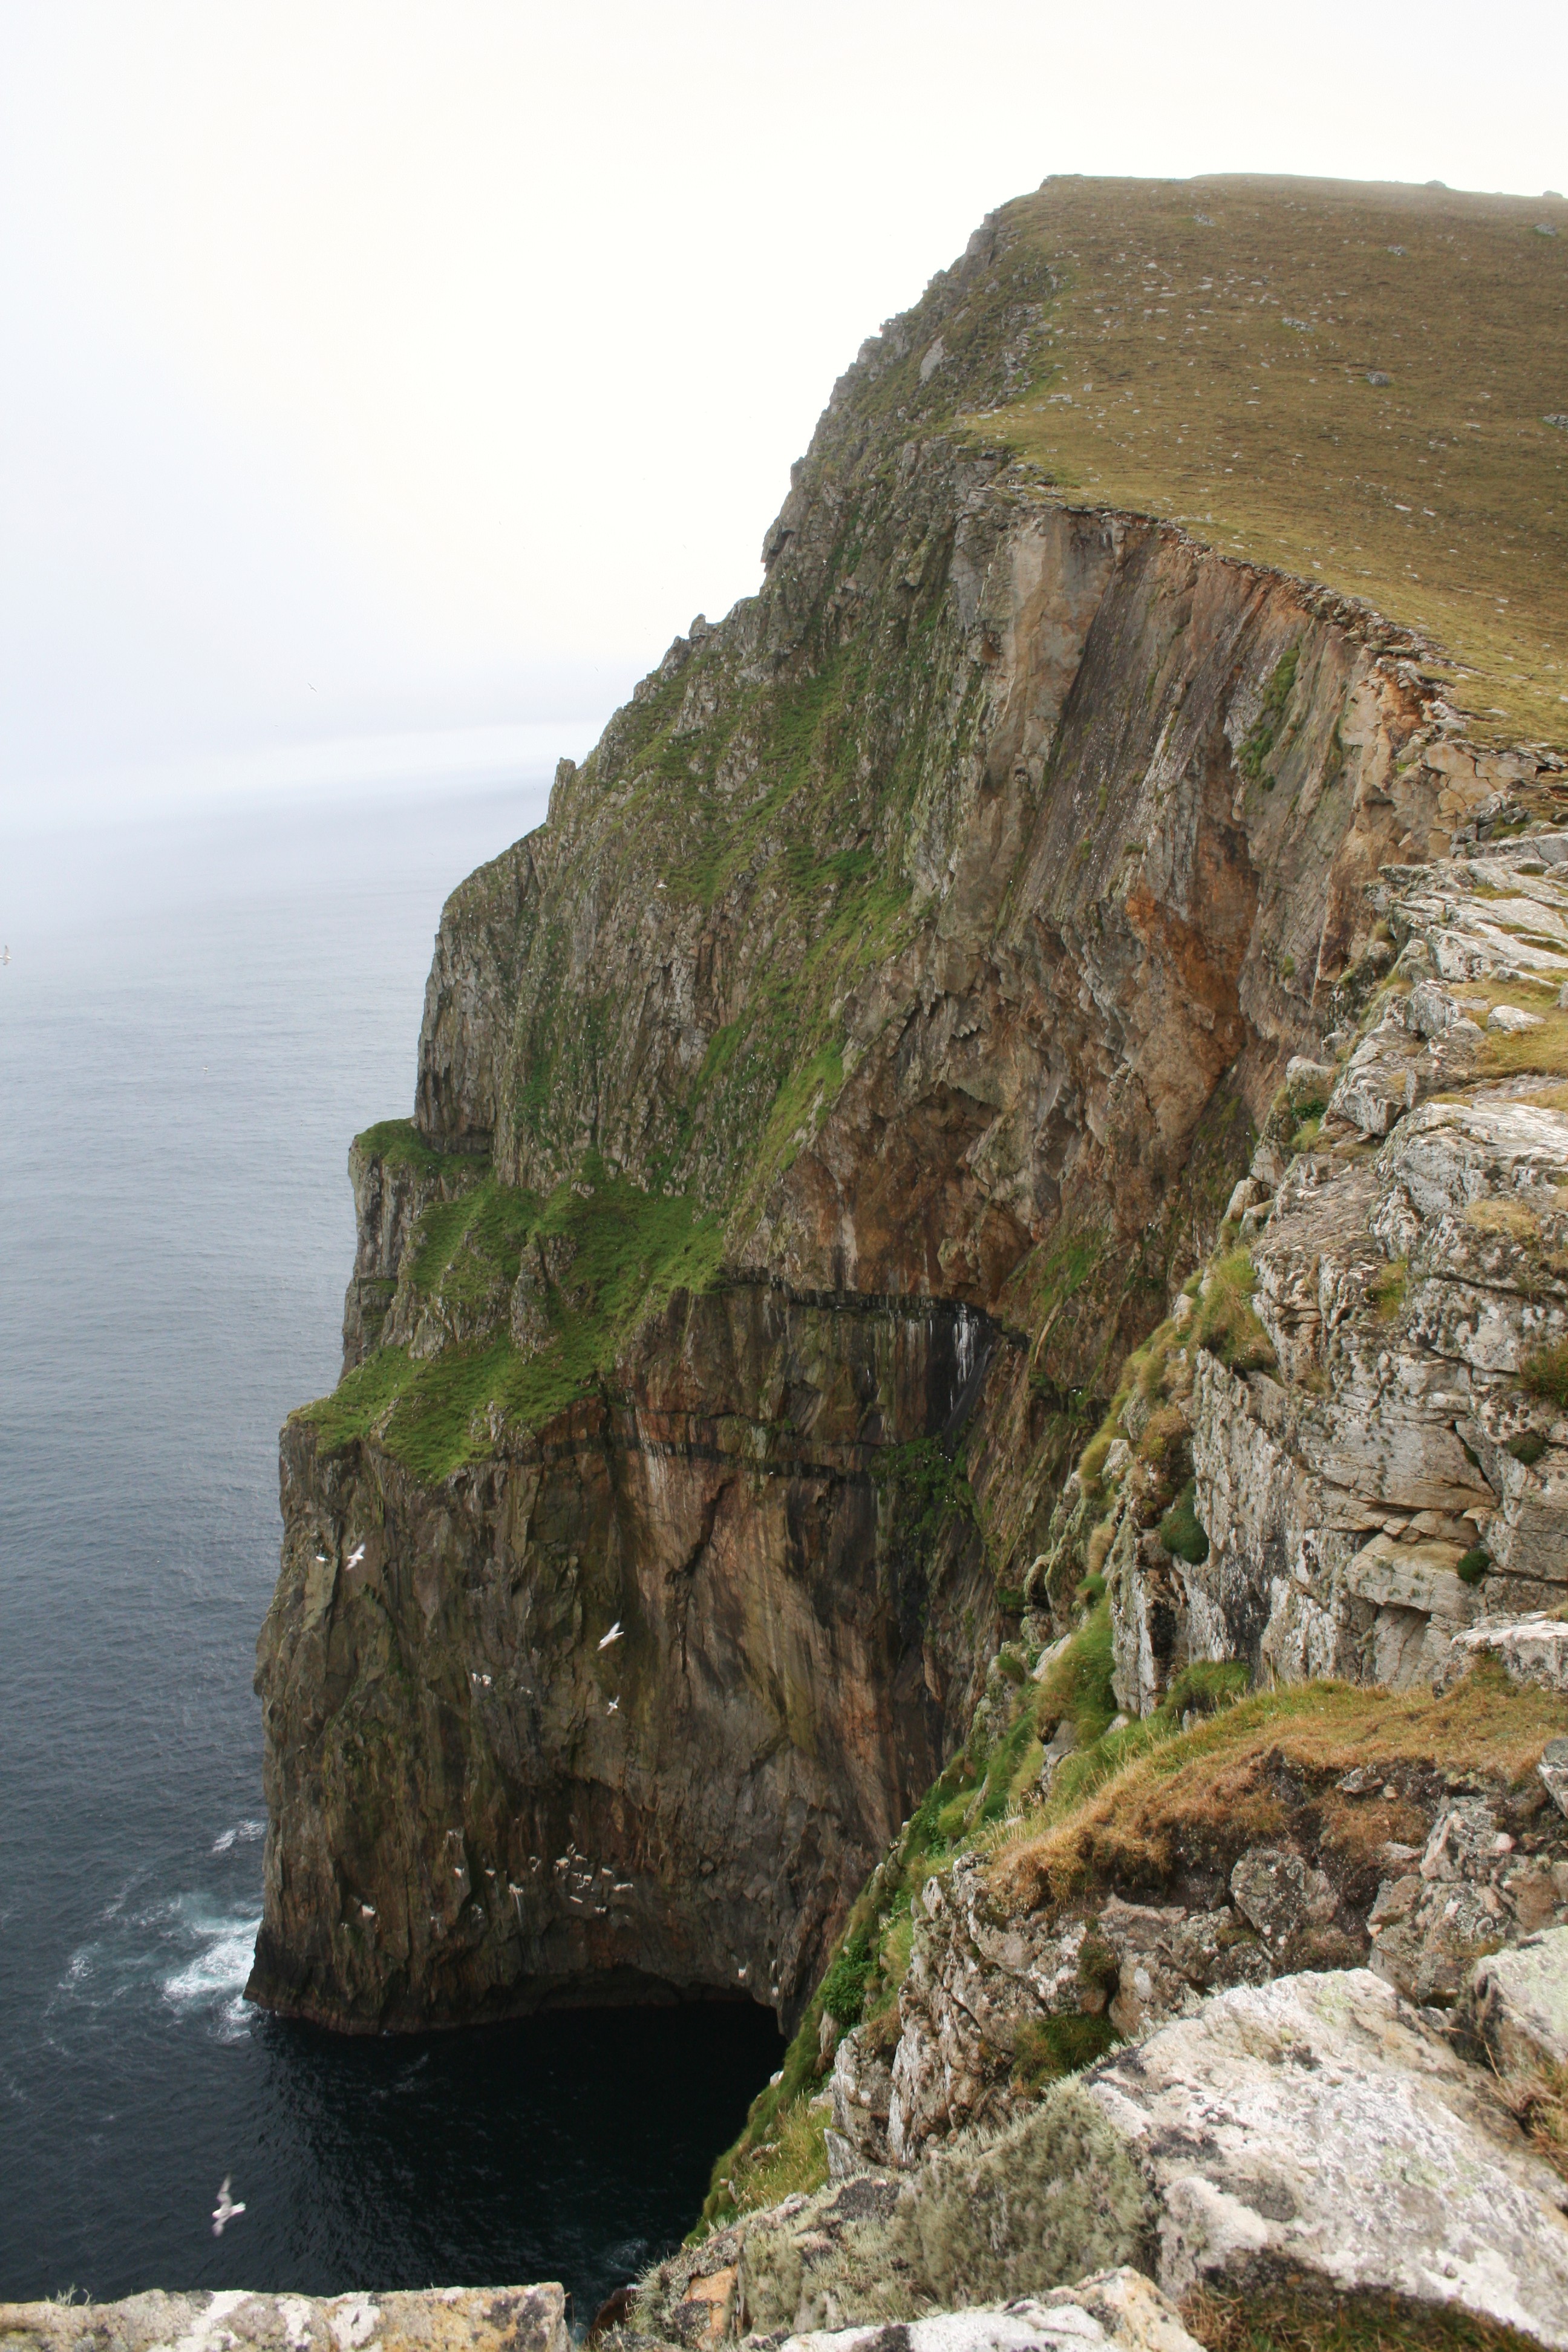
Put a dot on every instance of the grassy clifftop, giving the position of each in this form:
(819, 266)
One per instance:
(1354, 384)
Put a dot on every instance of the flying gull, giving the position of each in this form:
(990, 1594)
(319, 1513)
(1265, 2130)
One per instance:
(354, 1557)
(226, 2209)
(614, 1634)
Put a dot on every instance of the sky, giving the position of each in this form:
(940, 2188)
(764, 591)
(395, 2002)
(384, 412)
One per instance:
(383, 386)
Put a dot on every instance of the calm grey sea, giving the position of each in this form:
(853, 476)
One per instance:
(197, 1016)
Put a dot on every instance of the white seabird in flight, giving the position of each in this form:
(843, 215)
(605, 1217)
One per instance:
(226, 2209)
(615, 1634)
(614, 1708)
(354, 1557)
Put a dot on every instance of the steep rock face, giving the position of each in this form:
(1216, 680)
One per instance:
(498, 1808)
(1398, 1466)
(809, 1117)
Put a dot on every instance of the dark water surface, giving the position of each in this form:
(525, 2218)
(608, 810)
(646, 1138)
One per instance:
(197, 1017)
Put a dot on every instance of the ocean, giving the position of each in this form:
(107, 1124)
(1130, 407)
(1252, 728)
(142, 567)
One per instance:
(199, 1011)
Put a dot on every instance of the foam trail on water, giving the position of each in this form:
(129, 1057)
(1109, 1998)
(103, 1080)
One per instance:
(219, 1967)
(241, 1834)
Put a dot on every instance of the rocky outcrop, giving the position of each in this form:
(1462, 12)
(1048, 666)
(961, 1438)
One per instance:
(1519, 2003)
(1314, 2125)
(1390, 1463)
(999, 1993)
(440, 2319)
(1314, 2132)
(1120, 2308)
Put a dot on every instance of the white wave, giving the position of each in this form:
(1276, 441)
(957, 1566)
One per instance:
(232, 2020)
(242, 1833)
(220, 1966)
(192, 1953)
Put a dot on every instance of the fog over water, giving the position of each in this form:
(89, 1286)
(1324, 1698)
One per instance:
(199, 1012)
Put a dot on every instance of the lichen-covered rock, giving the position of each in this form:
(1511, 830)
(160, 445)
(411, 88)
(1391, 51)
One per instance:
(1314, 2131)
(1552, 1769)
(437, 2319)
(1116, 2308)
(1532, 1649)
(1394, 1478)
(1050, 2199)
(999, 1996)
(862, 2087)
(1314, 2127)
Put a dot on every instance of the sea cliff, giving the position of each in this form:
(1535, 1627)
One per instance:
(814, 1120)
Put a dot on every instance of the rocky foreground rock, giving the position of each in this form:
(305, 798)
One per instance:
(1317, 2131)
(442, 2319)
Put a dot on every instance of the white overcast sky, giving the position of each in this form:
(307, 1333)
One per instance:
(400, 371)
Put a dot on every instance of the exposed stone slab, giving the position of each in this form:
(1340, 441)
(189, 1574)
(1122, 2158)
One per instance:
(439, 2319)
(1532, 1649)
(1117, 2308)
(1314, 2125)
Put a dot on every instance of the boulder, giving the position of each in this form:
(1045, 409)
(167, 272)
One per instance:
(1316, 2128)
(1280, 1894)
(1532, 1649)
(1118, 2308)
(702, 2316)
(1520, 2002)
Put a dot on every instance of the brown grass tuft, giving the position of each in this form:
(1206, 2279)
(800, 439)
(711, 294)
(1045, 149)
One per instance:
(1509, 1217)
(1307, 2318)
(1216, 1789)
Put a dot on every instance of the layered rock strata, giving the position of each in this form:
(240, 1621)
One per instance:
(1397, 1467)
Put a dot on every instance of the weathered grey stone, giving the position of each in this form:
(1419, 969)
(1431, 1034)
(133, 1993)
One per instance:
(1464, 1836)
(1520, 2002)
(1280, 1894)
(1314, 2125)
(862, 2086)
(439, 2320)
(1120, 2309)
(1532, 1649)
(1552, 1769)
(1430, 1009)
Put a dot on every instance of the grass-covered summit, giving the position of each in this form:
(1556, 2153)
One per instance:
(1365, 385)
